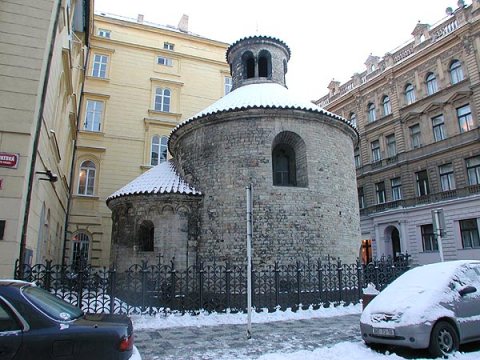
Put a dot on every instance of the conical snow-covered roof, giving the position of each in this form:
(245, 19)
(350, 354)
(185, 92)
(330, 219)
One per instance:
(161, 179)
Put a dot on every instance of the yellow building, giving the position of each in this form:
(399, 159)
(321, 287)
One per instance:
(142, 79)
(43, 46)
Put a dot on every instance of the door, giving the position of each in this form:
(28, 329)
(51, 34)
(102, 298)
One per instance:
(10, 333)
(396, 248)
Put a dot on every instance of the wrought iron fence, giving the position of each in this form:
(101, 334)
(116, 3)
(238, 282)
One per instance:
(150, 289)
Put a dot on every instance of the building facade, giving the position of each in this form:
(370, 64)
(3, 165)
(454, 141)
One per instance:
(141, 80)
(417, 112)
(43, 55)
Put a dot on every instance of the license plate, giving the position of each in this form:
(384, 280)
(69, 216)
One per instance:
(384, 332)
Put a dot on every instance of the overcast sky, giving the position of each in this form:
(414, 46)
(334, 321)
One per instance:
(328, 39)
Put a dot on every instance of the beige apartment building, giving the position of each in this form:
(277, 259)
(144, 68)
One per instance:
(43, 52)
(142, 80)
(417, 111)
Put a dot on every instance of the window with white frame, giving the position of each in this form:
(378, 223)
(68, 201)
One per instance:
(469, 233)
(162, 60)
(104, 33)
(438, 125)
(429, 241)
(380, 191)
(353, 119)
(227, 85)
(391, 145)
(356, 155)
(361, 198)
(409, 94)
(396, 184)
(376, 155)
(423, 187)
(387, 107)
(162, 99)
(86, 178)
(93, 115)
(415, 136)
(465, 120)
(431, 82)
(168, 46)
(99, 68)
(80, 250)
(371, 112)
(159, 150)
(456, 72)
(473, 170)
(447, 178)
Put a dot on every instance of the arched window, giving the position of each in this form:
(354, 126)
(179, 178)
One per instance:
(284, 167)
(387, 107)
(80, 250)
(409, 94)
(456, 72)
(265, 64)
(371, 112)
(248, 62)
(431, 82)
(86, 178)
(146, 236)
(158, 152)
(162, 99)
(353, 119)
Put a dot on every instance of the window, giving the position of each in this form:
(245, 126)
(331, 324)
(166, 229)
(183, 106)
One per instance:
(146, 236)
(409, 94)
(2, 229)
(104, 33)
(422, 183)
(415, 136)
(168, 46)
(428, 238)
(353, 119)
(371, 112)
(380, 191)
(473, 170)
(375, 151)
(465, 120)
(99, 68)
(469, 233)
(93, 115)
(391, 145)
(447, 179)
(86, 178)
(431, 82)
(227, 85)
(438, 128)
(80, 250)
(159, 150)
(162, 60)
(284, 165)
(387, 107)
(264, 64)
(162, 99)
(361, 198)
(396, 189)
(8, 322)
(456, 72)
(357, 158)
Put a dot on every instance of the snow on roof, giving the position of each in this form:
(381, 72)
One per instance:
(264, 95)
(161, 179)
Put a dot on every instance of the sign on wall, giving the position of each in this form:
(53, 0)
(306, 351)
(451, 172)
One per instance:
(9, 160)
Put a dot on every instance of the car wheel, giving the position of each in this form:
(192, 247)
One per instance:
(444, 340)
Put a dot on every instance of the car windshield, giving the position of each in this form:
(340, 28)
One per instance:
(51, 305)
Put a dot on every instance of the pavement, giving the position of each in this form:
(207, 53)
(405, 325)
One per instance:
(230, 341)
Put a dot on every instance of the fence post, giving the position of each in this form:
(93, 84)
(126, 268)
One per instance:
(80, 286)
(48, 275)
(359, 279)
(111, 288)
(340, 283)
(277, 284)
(227, 282)
(200, 285)
(299, 300)
(320, 279)
(173, 282)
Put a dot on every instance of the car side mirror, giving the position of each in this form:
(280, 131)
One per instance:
(467, 290)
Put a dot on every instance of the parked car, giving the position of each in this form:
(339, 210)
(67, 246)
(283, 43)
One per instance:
(434, 306)
(35, 324)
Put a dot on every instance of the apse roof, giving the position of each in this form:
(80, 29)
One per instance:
(267, 95)
(161, 179)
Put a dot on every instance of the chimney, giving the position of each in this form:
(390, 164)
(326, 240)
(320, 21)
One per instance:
(183, 23)
(140, 18)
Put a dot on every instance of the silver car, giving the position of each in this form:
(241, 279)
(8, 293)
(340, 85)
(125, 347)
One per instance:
(434, 306)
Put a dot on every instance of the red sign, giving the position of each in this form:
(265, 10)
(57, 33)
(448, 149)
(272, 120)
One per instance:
(9, 160)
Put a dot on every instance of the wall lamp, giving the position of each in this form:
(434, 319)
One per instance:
(52, 177)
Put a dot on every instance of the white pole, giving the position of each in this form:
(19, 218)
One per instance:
(439, 234)
(249, 258)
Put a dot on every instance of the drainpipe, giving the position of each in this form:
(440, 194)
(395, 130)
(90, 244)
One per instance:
(51, 45)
